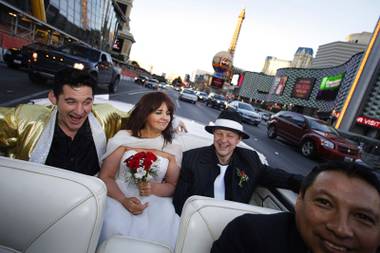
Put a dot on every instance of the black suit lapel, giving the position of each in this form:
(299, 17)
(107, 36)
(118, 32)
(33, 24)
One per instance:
(210, 170)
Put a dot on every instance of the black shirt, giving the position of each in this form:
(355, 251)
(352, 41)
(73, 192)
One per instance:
(77, 155)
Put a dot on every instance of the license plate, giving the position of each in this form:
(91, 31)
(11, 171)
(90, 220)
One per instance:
(17, 61)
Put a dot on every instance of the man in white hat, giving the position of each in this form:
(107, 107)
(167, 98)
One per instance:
(225, 171)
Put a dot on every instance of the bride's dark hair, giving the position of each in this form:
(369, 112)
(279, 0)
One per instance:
(146, 105)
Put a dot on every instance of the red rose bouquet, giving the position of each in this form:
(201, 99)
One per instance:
(142, 166)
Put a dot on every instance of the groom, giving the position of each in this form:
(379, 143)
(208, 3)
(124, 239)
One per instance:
(225, 171)
(71, 135)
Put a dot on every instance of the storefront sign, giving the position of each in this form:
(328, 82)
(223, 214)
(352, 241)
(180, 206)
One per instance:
(368, 121)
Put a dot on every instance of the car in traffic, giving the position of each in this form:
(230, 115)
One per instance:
(46, 62)
(217, 101)
(188, 95)
(247, 112)
(141, 79)
(152, 84)
(265, 115)
(21, 57)
(202, 96)
(163, 85)
(314, 137)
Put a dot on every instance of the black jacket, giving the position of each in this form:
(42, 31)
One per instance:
(200, 168)
(261, 233)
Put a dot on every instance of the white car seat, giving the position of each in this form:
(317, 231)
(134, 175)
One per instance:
(45, 209)
(203, 220)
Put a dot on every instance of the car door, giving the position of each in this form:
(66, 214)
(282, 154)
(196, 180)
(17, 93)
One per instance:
(282, 120)
(296, 128)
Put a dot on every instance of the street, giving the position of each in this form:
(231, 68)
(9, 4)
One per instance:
(16, 88)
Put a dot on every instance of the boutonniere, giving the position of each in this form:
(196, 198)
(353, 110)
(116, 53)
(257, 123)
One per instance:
(242, 177)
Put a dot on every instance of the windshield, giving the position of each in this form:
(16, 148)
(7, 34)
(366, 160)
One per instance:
(188, 91)
(246, 107)
(202, 93)
(322, 127)
(83, 52)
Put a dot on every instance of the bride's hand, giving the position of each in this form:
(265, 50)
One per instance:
(145, 188)
(134, 205)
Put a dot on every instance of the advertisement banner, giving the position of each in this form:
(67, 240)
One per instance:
(328, 90)
(279, 85)
(217, 82)
(362, 120)
(303, 87)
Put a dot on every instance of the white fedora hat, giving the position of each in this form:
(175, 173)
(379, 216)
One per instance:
(229, 120)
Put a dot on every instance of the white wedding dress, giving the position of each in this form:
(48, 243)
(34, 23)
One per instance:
(158, 222)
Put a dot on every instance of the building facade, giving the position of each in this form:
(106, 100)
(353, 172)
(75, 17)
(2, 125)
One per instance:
(336, 53)
(98, 23)
(272, 64)
(302, 58)
(301, 88)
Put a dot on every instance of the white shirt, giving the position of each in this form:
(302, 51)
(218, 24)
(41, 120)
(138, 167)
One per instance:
(219, 187)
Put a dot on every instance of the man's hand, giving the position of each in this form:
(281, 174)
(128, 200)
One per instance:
(134, 205)
(145, 188)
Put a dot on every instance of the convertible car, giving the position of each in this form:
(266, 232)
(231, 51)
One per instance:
(46, 209)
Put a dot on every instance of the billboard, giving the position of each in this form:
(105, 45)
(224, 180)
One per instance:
(303, 87)
(279, 85)
(328, 90)
(237, 80)
(217, 82)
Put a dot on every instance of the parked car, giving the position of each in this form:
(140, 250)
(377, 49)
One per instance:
(202, 96)
(313, 136)
(217, 101)
(247, 112)
(141, 79)
(46, 62)
(188, 95)
(21, 57)
(152, 84)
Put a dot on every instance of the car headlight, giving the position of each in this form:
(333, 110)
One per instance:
(327, 144)
(34, 56)
(79, 66)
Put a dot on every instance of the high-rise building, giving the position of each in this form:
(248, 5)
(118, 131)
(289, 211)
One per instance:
(272, 64)
(360, 38)
(338, 52)
(302, 58)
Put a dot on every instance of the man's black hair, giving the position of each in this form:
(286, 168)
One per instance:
(73, 78)
(351, 169)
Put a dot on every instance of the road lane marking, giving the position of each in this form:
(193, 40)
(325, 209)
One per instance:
(137, 92)
(178, 105)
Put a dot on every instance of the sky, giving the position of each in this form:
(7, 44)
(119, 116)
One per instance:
(178, 37)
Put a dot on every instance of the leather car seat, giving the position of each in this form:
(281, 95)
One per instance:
(45, 209)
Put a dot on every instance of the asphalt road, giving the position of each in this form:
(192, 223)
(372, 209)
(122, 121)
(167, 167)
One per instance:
(16, 88)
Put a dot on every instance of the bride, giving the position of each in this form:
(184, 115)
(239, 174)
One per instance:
(143, 210)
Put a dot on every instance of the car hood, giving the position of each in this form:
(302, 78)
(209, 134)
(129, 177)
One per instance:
(68, 58)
